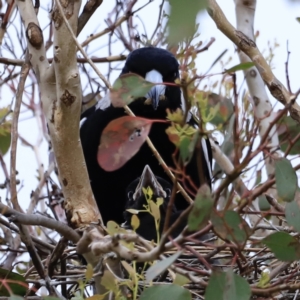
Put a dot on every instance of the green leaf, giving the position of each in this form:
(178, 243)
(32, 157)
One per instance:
(286, 180)
(89, 272)
(77, 296)
(109, 282)
(14, 297)
(180, 279)
(5, 140)
(161, 266)
(184, 149)
(135, 222)
(130, 270)
(94, 297)
(159, 201)
(227, 285)
(154, 210)
(292, 212)
(163, 292)
(127, 88)
(5, 130)
(288, 129)
(298, 19)
(264, 280)
(182, 20)
(263, 203)
(113, 228)
(15, 281)
(284, 246)
(187, 145)
(240, 67)
(229, 225)
(225, 110)
(202, 208)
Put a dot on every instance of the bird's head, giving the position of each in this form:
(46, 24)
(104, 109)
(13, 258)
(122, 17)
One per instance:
(136, 198)
(156, 65)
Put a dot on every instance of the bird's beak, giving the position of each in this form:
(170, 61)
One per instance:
(148, 179)
(125, 225)
(158, 91)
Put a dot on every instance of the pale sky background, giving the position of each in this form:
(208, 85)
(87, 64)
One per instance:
(275, 20)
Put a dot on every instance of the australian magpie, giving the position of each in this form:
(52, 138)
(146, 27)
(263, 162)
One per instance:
(139, 193)
(136, 203)
(156, 65)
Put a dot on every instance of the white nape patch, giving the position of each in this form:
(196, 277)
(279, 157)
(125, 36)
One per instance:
(155, 77)
(104, 102)
(82, 122)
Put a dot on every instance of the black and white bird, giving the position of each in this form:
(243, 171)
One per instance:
(136, 201)
(155, 65)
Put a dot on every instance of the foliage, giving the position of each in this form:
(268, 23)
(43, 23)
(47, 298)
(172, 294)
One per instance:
(232, 244)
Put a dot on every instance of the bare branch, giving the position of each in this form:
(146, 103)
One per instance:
(248, 46)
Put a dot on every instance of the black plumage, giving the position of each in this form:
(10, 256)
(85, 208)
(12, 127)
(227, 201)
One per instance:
(109, 187)
(136, 200)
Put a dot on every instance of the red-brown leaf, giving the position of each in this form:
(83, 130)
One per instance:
(121, 139)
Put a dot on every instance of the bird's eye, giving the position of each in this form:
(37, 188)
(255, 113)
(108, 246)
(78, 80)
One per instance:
(168, 191)
(130, 195)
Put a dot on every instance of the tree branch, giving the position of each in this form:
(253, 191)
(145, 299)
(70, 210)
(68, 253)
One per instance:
(248, 46)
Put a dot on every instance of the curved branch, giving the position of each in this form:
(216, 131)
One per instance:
(248, 46)
(29, 219)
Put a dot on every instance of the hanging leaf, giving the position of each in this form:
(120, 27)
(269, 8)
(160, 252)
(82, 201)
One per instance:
(182, 20)
(15, 297)
(227, 285)
(264, 280)
(154, 210)
(121, 139)
(263, 203)
(5, 140)
(184, 149)
(113, 228)
(180, 279)
(292, 212)
(89, 272)
(288, 130)
(127, 88)
(175, 116)
(163, 292)
(161, 266)
(284, 246)
(229, 225)
(94, 297)
(5, 130)
(240, 67)
(286, 180)
(15, 281)
(202, 208)
(224, 106)
(129, 269)
(110, 282)
(56, 298)
(135, 222)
